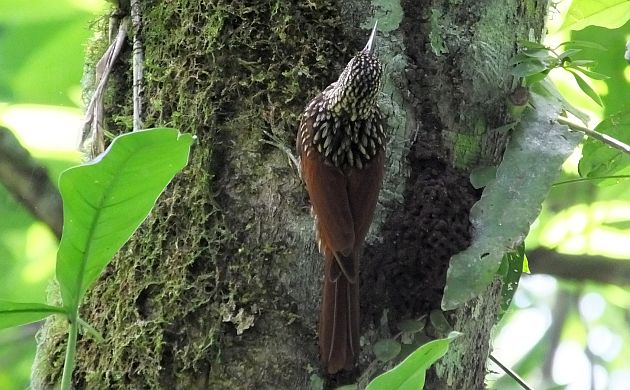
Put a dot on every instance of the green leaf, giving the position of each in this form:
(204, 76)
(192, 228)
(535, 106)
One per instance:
(621, 225)
(548, 89)
(520, 57)
(509, 204)
(19, 313)
(600, 160)
(611, 14)
(585, 87)
(410, 373)
(576, 63)
(537, 77)
(503, 267)
(610, 63)
(583, 45)
(513, 262)
(590, 73)
(531, 45)
(525, 265)
(528, 68)
(386, 349)
(439, 321)
(568, 53)
(412, 326)
(537, 53)
(315, 382)
(105, 201)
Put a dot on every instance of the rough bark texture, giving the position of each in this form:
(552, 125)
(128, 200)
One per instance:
(220, 286)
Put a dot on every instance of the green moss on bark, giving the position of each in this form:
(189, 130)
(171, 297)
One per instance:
(469, 51)
(196, 298)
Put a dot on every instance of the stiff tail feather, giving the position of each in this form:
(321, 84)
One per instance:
(339, 316)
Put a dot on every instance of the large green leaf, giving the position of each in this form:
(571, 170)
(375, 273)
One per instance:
(106, 200)
(615, 94)
(606, 13)
(410, 373)
(19, 313)
(509, 204)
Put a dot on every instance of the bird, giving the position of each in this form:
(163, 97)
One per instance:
(341, 149)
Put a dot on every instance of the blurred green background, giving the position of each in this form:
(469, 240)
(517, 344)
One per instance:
(41, 63)
(558, 331)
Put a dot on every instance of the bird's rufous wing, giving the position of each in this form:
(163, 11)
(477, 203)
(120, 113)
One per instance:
(327, 187)
(363, 189)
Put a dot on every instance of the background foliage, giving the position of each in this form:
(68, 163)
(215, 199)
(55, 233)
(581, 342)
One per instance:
(572, 330)
(41, 63)
(558, 331)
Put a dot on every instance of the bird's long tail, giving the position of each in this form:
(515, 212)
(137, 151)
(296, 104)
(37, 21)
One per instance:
(339, 316)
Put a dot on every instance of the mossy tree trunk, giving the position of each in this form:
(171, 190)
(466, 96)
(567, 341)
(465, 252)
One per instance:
(220, 286)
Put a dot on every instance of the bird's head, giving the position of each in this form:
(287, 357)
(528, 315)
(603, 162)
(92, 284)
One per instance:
(357, 86)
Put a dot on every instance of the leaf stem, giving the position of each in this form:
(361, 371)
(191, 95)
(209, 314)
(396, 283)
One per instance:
(71, 348)
(583, 179)
(90, 329)
(605, 138)
(511, 373)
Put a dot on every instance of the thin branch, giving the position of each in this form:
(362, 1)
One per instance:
(580, 267)
(92, 141)
(138, 65)
(511, 373)
(29, 182)
(583, 179)
(605, 138)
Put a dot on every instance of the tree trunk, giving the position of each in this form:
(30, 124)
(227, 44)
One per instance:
(219, 288)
